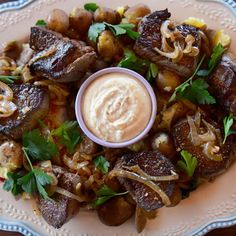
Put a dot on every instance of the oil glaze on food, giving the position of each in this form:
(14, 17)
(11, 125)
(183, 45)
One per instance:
(45, 152)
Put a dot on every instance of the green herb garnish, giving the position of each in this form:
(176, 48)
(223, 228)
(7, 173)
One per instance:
(188, 163)
(132, 62)
(41, 23)
(33, 182)
(68, 135)
(10, 184)
(132, 34)
(9, 79)
(95, 30)
(91, 6)
(228, 122)
(180, 89)
(37, 147)
(196, 91)
(152, 72)
(218, 50)
(102, 164)
(144, 67)
(104, 194)
(120, 29)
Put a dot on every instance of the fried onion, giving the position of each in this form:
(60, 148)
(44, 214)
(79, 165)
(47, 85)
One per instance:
(178, 48)
(7, 107)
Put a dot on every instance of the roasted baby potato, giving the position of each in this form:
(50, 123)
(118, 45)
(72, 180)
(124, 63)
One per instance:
(167, 81)
(58, 21)
(123, 211)
(80, 20)
(108, 46)
(107, 14)
(11, 157)
(134, 14)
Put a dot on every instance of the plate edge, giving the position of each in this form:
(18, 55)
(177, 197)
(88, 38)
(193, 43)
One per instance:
(24, 229)
(215, 224)
(10, 6)
(16, 226)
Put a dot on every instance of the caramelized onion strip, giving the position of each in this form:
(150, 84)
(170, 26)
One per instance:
(7, 64)
(177, 49)
(57, 92)
(138, 170)
(173, 55)
(73, 164)
(130, 175)
(7, 107)
(68, 194)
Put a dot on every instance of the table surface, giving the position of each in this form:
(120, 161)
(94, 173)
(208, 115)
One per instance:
(231, 231)
(218, 232)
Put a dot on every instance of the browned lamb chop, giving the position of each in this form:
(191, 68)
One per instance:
(223, 84)
(158, 33)
(60, 208)
(32, 105)
(150, 179)
(58, 58)
(202, 138)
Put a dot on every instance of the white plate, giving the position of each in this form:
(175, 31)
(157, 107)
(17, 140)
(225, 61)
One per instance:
(212, 205)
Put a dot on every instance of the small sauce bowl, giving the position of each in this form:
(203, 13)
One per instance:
(79, 112)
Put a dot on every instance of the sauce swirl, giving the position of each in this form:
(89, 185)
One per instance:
(116, 107)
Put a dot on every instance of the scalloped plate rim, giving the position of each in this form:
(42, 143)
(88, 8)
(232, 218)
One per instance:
(23, 228)
(10, 6)
(17, 226)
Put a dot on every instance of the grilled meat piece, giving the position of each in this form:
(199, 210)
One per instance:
(32, 105)
(153, 163)
(58, 58)
(57, 211)
(151, 37)
(223, 84)
(213, 157)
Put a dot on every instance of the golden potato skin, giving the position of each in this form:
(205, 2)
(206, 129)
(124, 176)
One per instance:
(134, 14)
(115, 211)
(80, 20)
(167, 81)
(11, 157)
(107, 14)
(108, 46)
(58, 21)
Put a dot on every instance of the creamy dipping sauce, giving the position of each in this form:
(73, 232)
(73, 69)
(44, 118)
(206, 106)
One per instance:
(116, 107)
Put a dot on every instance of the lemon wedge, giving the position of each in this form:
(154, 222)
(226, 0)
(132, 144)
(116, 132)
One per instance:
(221, 37)
(121, 10)
(196, 22)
